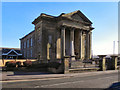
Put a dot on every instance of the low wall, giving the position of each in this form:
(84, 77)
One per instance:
(3, 61)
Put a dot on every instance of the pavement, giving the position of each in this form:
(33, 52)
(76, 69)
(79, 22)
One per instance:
(10, 77)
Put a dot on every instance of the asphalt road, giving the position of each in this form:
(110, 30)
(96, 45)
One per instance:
(96, 81)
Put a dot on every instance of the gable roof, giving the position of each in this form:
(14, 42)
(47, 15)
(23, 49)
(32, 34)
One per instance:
(67, 15)
(12, 50)
(6, 51)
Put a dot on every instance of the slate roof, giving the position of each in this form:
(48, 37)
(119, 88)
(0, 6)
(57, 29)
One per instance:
(67, 15)
(27, 34)
(7, 50)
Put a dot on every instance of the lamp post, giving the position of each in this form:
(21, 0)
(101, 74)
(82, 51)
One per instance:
(113, 47)
(118, 48)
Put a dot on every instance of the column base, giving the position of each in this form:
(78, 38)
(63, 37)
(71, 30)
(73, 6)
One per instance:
(73, 58)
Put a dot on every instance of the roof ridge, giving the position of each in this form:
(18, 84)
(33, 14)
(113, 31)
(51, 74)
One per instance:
(71, 12)
(27, 34)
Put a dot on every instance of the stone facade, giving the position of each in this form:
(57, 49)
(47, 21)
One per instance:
(28, 45)
(56, 37)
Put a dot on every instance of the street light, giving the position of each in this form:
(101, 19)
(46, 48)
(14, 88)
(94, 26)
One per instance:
(113, 47)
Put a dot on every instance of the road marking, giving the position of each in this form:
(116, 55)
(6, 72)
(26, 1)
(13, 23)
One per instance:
(73, 82)
(33, 79)
(61, 83)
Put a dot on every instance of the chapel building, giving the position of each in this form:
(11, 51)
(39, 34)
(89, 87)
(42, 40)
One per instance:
(55, 37)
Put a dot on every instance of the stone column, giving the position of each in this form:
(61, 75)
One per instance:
(80, 35)
(72, 44)
(102, 62)
(62, 42)
(87, 46)
(90, 45)
(114, 62)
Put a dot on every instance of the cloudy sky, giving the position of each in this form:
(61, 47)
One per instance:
(17, 20)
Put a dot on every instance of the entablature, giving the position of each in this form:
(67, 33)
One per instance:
(75, 25)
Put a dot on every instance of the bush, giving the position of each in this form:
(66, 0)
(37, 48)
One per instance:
(54, 65)
(11, 64)
(27, 63)
(40, 65)
(18, 63)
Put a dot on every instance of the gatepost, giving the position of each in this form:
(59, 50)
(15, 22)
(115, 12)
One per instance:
(102, 62)
(66, 64)
(114, 62)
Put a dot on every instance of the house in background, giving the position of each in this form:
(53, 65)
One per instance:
(10, 53)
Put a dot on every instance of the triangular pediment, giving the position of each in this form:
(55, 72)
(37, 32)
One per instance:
(77, 15)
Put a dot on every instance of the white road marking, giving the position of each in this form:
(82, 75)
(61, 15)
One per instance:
(33, 79)
(73, 82)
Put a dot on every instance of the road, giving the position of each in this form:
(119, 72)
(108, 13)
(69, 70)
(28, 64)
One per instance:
(92, 81)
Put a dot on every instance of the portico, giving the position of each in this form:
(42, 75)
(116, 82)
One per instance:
(76, 43)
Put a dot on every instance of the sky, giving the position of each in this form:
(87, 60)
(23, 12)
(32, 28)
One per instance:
(17, 20)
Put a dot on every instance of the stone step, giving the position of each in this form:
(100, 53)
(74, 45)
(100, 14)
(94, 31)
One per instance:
(76, 64)
(78, 70)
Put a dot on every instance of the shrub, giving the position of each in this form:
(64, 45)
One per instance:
(40, 65)
(18, 63)
(54, 65)
(11, 64)
(6, 63)
(27, 63)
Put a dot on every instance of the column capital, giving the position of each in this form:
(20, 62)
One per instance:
(72, 28)
(88, 32)
(62, 27)
(114, 55)
(102, 56)
(81, 30)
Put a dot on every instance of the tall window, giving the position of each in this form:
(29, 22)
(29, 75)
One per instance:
(27, 54)
(28, 43)
(31, 41)
(21, 45)
(31, 52)
(50, 39)
(24, 53)
(25, 44)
